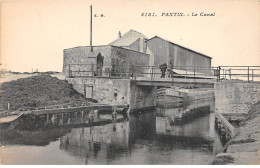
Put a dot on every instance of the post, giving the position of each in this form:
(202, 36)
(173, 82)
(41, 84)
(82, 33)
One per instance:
(229, 74)
(224, 77)
(194, 73)
(248, 74)
(194, 76)
(152, 74)
(219, 73)
(84, 90)
(69, 72)
(91, 47)
(252, 75)
(205, 73)
(172, 76)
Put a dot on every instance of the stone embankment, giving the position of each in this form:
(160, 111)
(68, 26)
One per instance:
(244, 148)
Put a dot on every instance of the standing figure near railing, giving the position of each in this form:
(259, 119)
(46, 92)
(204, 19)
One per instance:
(163, 68)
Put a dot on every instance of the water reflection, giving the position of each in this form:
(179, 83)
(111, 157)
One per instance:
(164, 135)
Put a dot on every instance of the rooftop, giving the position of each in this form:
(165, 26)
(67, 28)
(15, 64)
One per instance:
(128, 38)
(181, 46)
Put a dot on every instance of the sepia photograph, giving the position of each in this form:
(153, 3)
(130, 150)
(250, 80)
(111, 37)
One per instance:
(129, 82)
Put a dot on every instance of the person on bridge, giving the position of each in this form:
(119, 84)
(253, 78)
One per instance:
(163, 68)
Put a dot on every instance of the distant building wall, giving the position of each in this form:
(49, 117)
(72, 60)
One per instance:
(181, 58)
(78, 55)
(130, 57)
(135, 46)
(176, 56)
(160, 50)
(117, 59)
(236, 97)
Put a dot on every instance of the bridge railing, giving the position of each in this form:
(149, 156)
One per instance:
(145, 72)
(241, 73)
(177, 72)
(220, 73)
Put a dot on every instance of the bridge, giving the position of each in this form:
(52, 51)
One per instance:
(138, 86)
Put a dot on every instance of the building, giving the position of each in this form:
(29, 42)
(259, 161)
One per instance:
(133, 54)
(163, 51)
(133, 48)
(103, 61)
(132, 40)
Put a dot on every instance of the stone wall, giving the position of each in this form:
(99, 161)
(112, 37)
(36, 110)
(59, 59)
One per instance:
(142, 96)
(122, 59)
(117, 60)
(78, 55)
(104, 89)
(236, 97)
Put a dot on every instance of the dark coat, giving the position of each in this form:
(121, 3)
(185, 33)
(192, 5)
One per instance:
(163, 67)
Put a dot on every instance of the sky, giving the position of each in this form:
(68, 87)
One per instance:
(35, 32)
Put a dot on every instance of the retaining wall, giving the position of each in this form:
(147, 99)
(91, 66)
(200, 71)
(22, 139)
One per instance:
(236, 97)
(105, 89)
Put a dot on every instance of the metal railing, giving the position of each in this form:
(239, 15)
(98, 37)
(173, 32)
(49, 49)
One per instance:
(243, 73)
(220, 73)
(84, 70)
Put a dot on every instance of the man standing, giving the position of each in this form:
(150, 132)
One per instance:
(163, 68)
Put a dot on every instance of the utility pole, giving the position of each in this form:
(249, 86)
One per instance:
(91, 47)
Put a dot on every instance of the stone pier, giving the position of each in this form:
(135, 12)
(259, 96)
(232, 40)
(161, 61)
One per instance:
(113, 90)
(236, 99)
(232, 104)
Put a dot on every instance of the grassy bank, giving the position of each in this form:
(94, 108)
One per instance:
(37, 91)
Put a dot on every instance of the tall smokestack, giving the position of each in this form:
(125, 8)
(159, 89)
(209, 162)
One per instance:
(119, 34)
(91, 47)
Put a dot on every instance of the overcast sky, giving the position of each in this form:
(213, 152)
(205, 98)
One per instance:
(35, 32)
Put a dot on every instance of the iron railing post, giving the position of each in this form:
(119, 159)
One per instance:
(248, 74)
(229, 74)
(219, 68)
(252, 75)
(69, 72)
(194, 76)
(152, 74)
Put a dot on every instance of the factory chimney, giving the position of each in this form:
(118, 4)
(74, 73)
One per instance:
(91, 47)
(119, 34)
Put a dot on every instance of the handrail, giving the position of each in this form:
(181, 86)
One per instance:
(151, 72)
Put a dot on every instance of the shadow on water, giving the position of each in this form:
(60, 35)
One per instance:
(163, 135)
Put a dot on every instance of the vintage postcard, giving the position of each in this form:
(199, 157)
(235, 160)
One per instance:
(129, 82)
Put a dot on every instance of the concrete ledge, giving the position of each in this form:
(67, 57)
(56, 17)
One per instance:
(243, 147)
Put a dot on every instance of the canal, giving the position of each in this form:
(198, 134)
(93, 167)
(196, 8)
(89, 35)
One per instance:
(162, 135)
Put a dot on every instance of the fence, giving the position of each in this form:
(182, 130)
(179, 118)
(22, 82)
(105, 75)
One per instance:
(132, 71)
(244, 73)
(59, 106)
(220, 73)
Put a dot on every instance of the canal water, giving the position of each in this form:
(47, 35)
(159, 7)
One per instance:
(162, 135)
